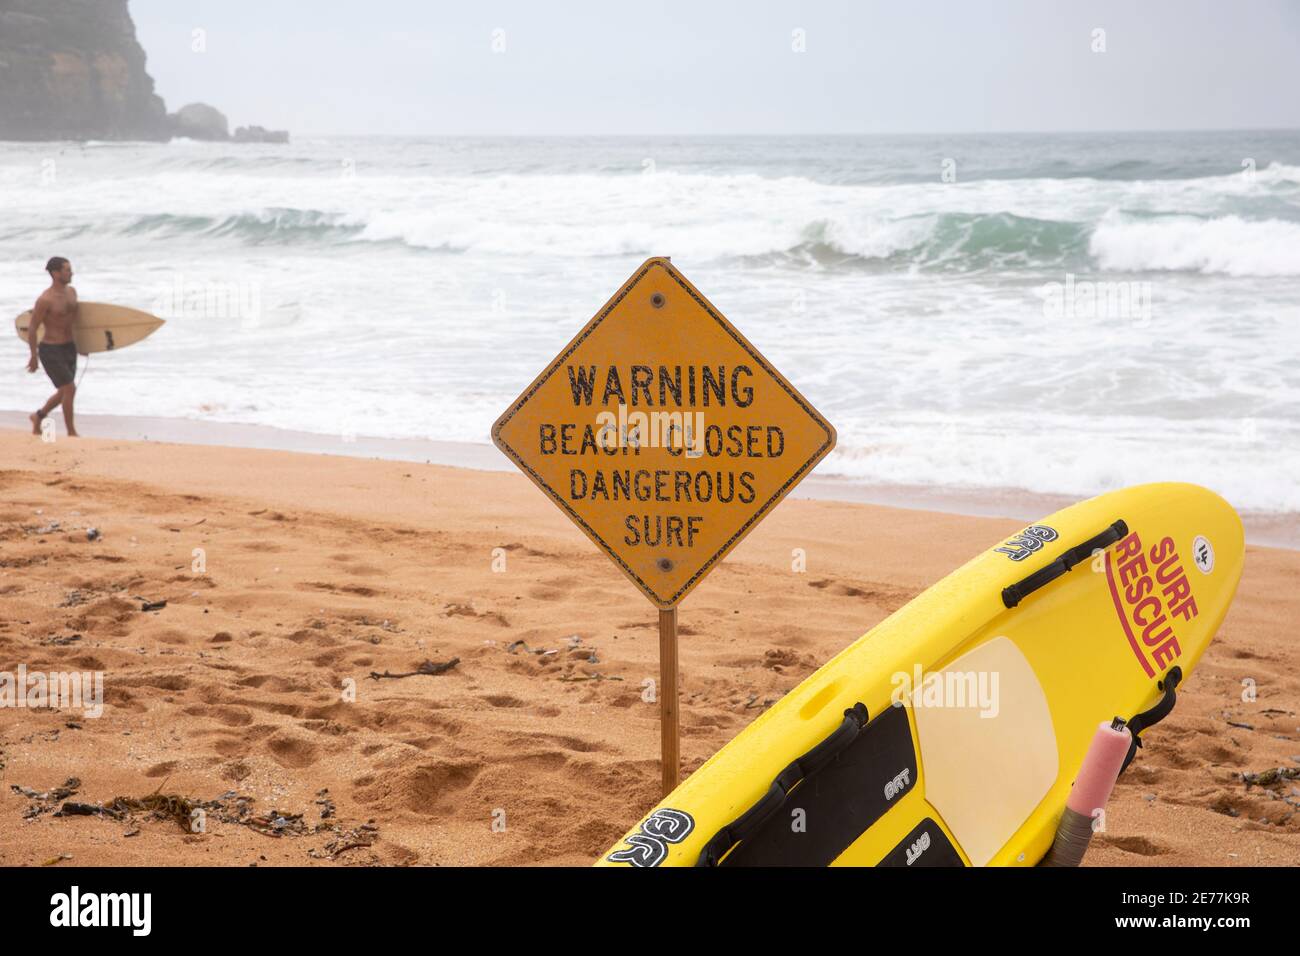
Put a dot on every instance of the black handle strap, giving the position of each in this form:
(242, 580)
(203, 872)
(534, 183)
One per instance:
(1015, 593)
(749, 822)
(1149, 718)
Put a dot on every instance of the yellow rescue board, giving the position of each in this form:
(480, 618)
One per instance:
(101, 327)
(1000, 680)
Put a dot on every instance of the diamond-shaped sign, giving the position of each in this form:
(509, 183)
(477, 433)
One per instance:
(663, 433)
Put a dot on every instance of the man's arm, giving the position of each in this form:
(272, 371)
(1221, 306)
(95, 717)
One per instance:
(33, 331)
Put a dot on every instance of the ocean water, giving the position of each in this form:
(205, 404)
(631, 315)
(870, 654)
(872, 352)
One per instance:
(1059, 313)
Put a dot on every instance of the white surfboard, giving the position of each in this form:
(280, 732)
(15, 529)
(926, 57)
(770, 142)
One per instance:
(101, 327)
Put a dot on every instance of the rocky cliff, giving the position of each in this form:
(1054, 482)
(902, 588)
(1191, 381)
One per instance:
(73, 69)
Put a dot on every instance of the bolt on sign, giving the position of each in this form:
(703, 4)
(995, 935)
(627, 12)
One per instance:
(663, 433)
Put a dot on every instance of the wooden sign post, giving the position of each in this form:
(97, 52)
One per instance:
(670, 740)
(666, 437)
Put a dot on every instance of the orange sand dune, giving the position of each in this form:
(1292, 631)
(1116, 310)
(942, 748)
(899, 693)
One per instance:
(321, 570)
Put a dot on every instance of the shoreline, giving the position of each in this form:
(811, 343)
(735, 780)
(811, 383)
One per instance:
(1267, 529)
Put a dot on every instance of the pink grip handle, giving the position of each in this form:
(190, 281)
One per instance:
(1100, 770)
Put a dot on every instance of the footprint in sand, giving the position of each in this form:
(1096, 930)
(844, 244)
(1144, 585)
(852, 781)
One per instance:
(426, 788)
(291, 751)
(1140, 845)
(353, 589)
(526, 551)
(465, 610)
(228, 716)
(574, 744)
(881, 595)
(506, 701)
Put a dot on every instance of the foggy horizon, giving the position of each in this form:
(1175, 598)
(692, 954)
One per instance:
(941, 68)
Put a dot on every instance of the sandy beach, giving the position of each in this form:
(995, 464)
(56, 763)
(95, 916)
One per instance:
(291, 577)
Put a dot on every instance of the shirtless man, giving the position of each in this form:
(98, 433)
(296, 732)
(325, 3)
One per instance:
(56, 310)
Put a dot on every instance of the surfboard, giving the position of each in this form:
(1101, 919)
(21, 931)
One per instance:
(951, 733)
(101, 327)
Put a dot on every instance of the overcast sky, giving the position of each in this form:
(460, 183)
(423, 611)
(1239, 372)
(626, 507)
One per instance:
(430, 67)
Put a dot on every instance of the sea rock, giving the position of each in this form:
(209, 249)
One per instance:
(200, 121)
(73, 69)
(259, 134)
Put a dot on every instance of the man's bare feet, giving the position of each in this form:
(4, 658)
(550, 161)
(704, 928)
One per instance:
(73, 435)
(36, 422)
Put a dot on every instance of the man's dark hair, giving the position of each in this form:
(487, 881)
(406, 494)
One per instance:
(55, 264)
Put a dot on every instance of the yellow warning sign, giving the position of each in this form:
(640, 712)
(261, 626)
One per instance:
(663, 433)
